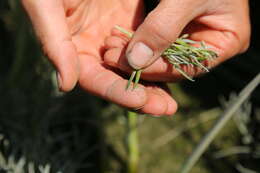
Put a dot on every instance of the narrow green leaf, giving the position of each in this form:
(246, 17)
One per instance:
(181, 52)
(137, 78)
(178, 68)
(127, 33)
(131, 79)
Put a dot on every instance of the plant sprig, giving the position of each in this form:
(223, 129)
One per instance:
(181, 52)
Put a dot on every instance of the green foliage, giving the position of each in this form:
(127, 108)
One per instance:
(180, 53)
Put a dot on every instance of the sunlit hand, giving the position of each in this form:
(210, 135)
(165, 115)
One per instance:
(222, 24)
(73, 34)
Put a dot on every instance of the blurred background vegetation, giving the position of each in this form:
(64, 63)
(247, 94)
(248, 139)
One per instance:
(76, 132)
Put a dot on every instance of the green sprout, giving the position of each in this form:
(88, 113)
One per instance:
(181, 52)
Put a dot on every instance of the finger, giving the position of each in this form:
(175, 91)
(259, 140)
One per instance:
(160, 28)
(166, 93)
(229, 27)
(115, 57)
(49, 21)
(102, 82)
(160, 71)
(222, 41)
(226, 41)
(159, 102)
(114, 42)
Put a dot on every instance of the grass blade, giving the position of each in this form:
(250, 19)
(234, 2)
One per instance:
(130, 79)
(137, 78)
(227, 114)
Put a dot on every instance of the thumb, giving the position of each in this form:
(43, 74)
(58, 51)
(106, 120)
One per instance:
(160, 28)
(49, 21)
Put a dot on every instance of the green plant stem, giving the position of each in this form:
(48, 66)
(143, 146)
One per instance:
(131, 79)
(179, 53)
(227, 114)
(129, 34)
(132, 142)
(137, 78)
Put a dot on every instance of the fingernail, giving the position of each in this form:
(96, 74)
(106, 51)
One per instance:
(139, 56)
(59, 80)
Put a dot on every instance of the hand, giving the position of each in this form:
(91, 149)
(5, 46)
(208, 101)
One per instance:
(73, 34)
(222, 24)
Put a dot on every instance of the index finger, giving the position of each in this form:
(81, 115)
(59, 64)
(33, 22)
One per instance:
(49, 21)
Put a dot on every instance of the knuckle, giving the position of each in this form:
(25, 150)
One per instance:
(157, 26)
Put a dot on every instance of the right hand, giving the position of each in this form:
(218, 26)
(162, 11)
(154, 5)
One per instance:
(222, 24)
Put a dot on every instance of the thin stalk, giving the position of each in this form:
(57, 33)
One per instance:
(124, 31)
(137, 78)
(227, 115)
(131, 79)
(132, 142)
(181, 52)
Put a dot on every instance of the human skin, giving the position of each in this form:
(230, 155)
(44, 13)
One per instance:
(222, 24)
(76, 35)
(73, 34)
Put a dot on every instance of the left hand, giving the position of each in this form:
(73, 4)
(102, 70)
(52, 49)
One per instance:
(73, 33)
